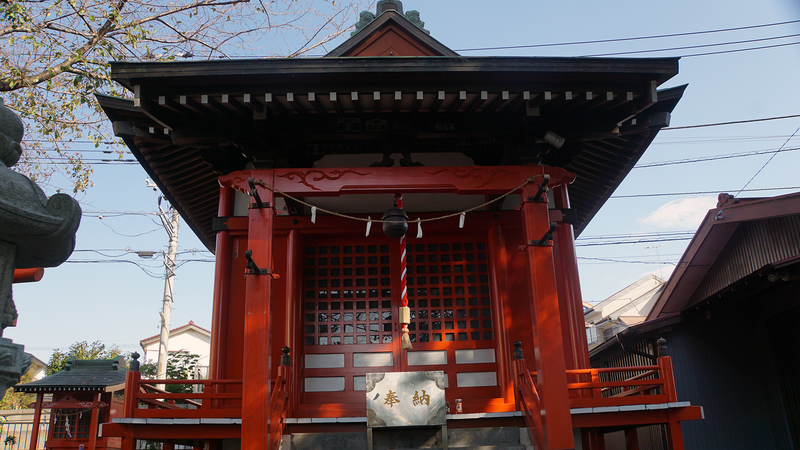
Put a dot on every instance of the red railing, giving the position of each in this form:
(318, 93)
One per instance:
(637, 385)
(278, 406)
(219, 399)
(529, 403)
(211, 403)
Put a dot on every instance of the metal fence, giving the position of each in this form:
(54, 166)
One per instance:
(17, 435)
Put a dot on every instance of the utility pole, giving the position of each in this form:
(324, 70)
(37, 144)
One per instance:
(171, 226)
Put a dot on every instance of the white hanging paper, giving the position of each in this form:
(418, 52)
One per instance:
(419, 229)
(461, 220)
(369, 225)
(313, 214)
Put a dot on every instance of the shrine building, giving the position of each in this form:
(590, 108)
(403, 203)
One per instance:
(285, 169)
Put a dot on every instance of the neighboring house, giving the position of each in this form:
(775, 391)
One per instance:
(729, 313)
(38, 368)
(622, 310)
(190, 337)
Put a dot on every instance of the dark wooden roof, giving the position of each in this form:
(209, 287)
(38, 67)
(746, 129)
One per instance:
(738, 239)
(191, 122)
(97, 375)
(376, 34)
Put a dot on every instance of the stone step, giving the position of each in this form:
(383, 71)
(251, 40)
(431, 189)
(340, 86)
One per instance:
(497, 438)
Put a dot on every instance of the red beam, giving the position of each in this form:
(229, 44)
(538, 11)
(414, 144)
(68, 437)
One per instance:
(550, 365)
(376, 180)
(640, 418)
(28, 275)
(257, 337)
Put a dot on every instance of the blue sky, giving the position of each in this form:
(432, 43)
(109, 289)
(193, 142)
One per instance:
(118, 303)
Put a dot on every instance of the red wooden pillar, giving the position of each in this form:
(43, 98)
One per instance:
(37, 420)
(222, 277)
(498, 264)
(577, 350)
(674, 435)
(94, 422)
(258, 295)
(550, 365)
(632, 439)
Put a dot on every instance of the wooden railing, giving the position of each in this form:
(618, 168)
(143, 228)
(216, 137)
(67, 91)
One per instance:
(279, 401)
(637, 386)
(529, 398)
(218, 399)
(160, 403)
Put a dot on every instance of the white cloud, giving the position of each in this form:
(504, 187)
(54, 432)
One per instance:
(686, 213)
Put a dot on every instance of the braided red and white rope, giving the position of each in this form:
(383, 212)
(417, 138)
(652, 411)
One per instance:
(406, 341)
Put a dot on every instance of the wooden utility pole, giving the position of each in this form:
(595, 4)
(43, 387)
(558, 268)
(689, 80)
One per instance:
(166, 311)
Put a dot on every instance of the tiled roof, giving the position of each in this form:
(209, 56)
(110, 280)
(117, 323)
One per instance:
(81, 375)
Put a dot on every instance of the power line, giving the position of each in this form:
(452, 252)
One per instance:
(730, 123)
(768, 161)
(604, 41)
(667, 194)
(721, 52)
(711, 158)
(688, 47)
(624, 261)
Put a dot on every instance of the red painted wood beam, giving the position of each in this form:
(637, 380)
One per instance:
(549, 348)
(222, 277)
(257, 343)
(569, 279)
(389, 180)
(170, 432)
(28, 275)
(37, 418)
(641, 418)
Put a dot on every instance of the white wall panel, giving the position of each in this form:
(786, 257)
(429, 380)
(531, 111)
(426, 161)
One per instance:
(475, 379)
(373, 359)
(475, 356)
(324, 384)
(333, 360)
(427, 358)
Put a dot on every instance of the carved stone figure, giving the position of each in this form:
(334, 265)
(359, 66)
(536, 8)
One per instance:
(364, 19)
(413, 17)
(34, 231)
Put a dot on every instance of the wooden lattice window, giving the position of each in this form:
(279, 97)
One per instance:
(448, 292)
(347, 295)
(71, 423)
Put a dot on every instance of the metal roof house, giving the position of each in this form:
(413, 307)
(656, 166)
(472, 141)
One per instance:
(732, 298)
(283, 166)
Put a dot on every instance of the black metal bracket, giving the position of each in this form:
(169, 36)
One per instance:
(540, 194)
(254, 193)
(253, 269)
(219, 224)
(570, 215)
(547, 239)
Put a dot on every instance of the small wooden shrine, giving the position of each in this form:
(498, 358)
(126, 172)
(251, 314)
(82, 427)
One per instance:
(84, 395)
(285, 168)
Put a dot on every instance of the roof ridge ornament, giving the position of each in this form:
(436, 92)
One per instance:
(413, 17)
(367, 17)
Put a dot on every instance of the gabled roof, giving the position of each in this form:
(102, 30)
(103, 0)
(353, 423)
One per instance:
(636, 297)
(191, 326)
(194, 121)
(92, 375)
(716, 236)
(391, 34)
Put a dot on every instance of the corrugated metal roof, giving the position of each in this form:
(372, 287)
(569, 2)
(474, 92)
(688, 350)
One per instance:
(81, 375)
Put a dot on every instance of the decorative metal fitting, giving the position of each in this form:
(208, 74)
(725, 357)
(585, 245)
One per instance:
(253, 269)
(254, 193)
(518, 350)
(540, 194)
